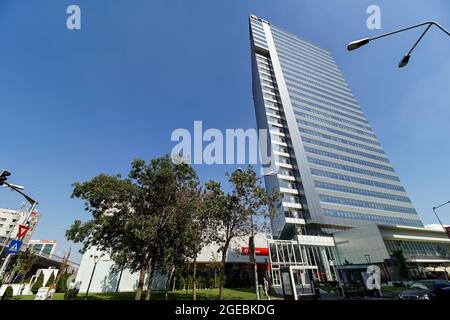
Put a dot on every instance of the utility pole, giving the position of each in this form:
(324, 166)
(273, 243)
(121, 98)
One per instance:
(3, 177)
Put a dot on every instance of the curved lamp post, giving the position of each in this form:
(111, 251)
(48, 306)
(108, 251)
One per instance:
(361, 42)
(442, 225)
(96, 258)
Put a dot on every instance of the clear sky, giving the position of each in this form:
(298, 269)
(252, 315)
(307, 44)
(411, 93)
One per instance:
(78, 103)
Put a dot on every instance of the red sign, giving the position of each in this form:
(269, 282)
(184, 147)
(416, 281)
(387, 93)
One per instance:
(259, 251)
(447, 229)
(22, 231)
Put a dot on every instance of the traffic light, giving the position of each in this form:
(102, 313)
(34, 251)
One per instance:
(4, 176)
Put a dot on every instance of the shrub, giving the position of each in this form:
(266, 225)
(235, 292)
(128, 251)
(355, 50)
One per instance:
(189, 282)
(38, 283)
(61, 285)
(199, 282)
(210, 282)
(8, 294)
(51, 280)
(181, 282)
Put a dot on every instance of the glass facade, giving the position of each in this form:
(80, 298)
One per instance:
(417, 248)
(322, 144)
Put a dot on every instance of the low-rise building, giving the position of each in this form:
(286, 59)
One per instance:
(107, 277)
(43, 247)
(426, 250)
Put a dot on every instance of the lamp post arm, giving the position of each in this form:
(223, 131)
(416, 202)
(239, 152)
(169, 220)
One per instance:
(442, 205)
(440, 222)
(405, 29)
(429, 23)
(29, 199)
(418, 40)
(441, 27)
(434, 210)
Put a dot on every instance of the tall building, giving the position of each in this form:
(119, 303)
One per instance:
(10, 221)
(332, 171)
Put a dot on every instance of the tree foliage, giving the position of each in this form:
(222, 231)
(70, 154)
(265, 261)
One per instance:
(8, 294)
(142, 221)
(400, 258)
(51, 280)
(38, 283)
(24, 263)
(61, 284)
(239, 213)
(159, 217)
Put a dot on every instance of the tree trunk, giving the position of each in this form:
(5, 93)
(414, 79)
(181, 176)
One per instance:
(187, 278)
(169, 277)
(140, 283)
(222, 271)
(255, 275)
(174, 282)
(150, 282)
(120, 279)
(194, 278)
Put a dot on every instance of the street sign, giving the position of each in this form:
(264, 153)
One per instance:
(14, 246)
(245, 251)
(22, 231)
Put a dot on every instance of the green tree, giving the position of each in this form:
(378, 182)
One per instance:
(215, 265)
(51, 280)
(400, 258)
(8, 294)
(201, 229)
(24, 263)
(38, 283)
(61, 284)
(120, 264)
(113, 227)
(167, 198)
(233, 213)
(181, 282)
(138, 218)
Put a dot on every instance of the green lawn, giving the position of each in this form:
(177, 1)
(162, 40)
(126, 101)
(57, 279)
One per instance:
(210, 294)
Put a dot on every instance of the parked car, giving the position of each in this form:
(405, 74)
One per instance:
(427, 290)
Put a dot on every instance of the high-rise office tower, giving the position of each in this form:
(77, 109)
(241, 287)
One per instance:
(332, 172)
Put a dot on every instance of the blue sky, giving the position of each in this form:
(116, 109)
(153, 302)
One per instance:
(78, 103)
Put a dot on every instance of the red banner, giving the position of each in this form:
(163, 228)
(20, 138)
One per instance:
(245, 251)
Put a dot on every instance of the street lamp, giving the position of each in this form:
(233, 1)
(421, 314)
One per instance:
(96, 260)
(251, 240)
(361, 42)
(442, 225)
